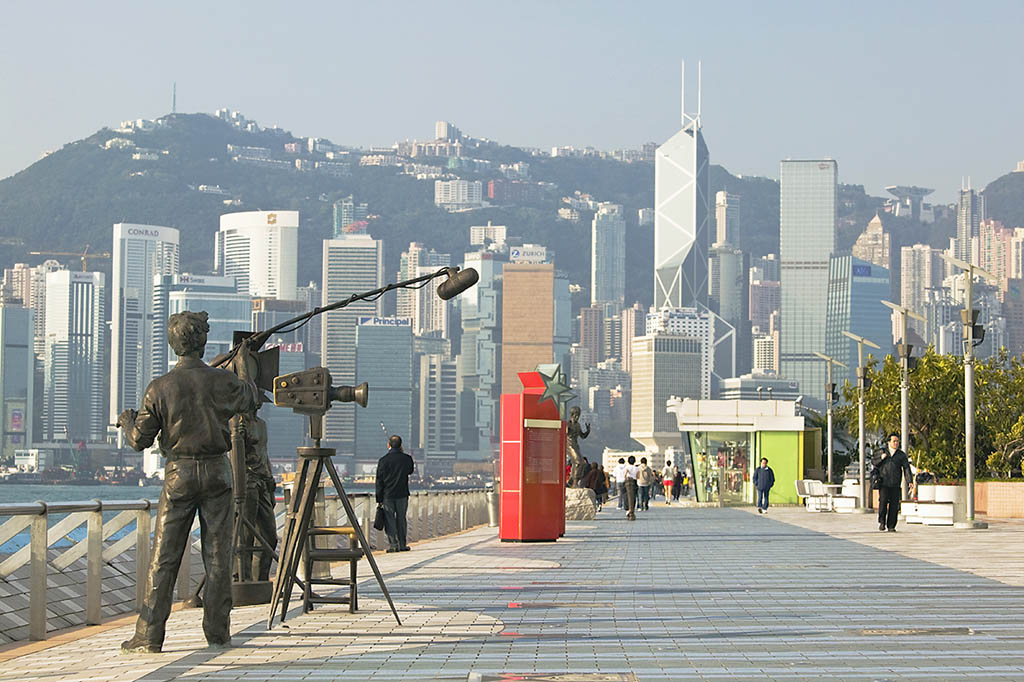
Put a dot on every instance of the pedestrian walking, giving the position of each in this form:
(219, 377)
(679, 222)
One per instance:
(393, 471)
(887, 479)
(629, 474)
(667, 477)
(677, 483)
(602, 486)
(644, 479)
(619, 481)
(764, 479)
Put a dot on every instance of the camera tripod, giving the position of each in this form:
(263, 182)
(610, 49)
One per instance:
(297, 531)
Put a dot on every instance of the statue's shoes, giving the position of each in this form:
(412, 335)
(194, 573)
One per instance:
(219, 646)
(139, 646)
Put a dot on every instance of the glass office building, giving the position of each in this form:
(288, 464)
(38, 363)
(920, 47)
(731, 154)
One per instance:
(856, 289)
(807, 238)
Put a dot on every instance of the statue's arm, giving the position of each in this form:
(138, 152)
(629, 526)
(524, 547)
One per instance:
(586, 432)
(141, 431)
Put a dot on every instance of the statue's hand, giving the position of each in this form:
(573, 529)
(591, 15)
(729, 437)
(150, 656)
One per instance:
(127, 419)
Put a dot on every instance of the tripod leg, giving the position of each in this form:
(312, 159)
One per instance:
(299, 539)
(264, 546)
(288, 541)
(359, 533)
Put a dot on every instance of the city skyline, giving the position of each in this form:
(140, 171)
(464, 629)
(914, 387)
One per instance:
(500, 97)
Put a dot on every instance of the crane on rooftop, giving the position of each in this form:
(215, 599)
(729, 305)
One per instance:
(85, 256)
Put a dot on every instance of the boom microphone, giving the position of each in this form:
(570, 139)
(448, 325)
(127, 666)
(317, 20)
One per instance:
(457, 282)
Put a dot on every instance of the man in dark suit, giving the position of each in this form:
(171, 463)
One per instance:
(393, 470)
(888, 473)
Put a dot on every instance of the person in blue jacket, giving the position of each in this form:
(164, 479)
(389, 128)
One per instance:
(764, 479)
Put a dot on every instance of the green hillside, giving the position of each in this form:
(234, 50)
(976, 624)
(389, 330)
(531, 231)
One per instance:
(73, 196)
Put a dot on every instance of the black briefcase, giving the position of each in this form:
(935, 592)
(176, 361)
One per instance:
(378, 519)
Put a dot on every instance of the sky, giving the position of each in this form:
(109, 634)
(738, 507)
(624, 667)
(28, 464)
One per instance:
(913, 93)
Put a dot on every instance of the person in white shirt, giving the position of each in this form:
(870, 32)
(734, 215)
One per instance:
(667, 478)
(619, 481)
(630, 473)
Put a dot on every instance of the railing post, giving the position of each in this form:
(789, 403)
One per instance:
(143, 548)
(368, 513)
(94, 566)
(462, 515)
(37, 581)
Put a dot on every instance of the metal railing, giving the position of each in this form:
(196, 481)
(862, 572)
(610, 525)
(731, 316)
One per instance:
(54, 547)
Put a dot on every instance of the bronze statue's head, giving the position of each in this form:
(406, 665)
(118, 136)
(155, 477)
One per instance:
(186, 333)
(574, 413)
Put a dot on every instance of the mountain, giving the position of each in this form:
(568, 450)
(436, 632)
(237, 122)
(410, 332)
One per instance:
(1004, 199)
(73, 196)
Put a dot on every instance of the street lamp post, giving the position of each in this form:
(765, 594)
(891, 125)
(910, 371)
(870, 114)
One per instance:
(969, 318)
(861, 387)
(830, 392)
(903, 349)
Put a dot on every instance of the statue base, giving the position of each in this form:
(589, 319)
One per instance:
(580, 504)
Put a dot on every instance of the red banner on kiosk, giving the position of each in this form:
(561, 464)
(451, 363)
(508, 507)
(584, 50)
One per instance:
(532, 465)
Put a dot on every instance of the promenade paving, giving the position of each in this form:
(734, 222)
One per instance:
(680, 594)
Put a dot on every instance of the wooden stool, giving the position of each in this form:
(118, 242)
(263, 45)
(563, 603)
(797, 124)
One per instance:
(311, 554)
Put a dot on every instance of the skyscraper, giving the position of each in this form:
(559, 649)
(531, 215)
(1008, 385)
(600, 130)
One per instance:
(608, 256)
(347, 212)
(727, 218)
(480, 355)
(873, 244)
(729, 298)
(634, 322)
(260, 250)
(969, 215)
(351, 265)
(17, 380)
(682, 216)
(807, 238)
(664, 365)
(141, 252)
(384, 356)
(229, 311)
(438, 414)
(856, 289)
(591, 333)
(429, 314)
(73, 401)
(921, 269)
(696, 324)
(535, 323)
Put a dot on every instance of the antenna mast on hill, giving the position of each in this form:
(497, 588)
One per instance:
(174, 98)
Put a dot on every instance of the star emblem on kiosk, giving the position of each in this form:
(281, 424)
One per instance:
(554, 387)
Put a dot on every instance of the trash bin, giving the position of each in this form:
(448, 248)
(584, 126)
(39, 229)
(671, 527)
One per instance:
(492, 506)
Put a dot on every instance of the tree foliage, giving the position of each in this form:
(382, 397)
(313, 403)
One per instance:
(936, 416)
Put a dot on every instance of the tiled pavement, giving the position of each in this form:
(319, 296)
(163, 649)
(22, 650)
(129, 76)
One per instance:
(716, 594)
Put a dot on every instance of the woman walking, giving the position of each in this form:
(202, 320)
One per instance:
(667, 479)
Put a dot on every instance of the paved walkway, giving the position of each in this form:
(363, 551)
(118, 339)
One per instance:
(713, 594)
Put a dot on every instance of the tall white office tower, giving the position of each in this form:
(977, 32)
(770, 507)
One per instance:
(479, 374)
(73, 401)
(608, 256)
(141, 252)
(727, 218)
(921, 271)
(28, 283)
(807, 239)
(438, 414)
(260, 250)
(351, 265)
(429, 314)
(969, 215)
(682, 216)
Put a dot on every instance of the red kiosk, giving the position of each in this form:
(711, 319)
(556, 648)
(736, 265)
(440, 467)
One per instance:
(532, 462)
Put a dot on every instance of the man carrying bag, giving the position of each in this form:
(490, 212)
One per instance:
(393, 470)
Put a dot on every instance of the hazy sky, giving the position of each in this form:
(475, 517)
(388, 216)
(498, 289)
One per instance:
(908, 92)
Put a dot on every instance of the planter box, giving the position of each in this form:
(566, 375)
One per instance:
(1000, 499)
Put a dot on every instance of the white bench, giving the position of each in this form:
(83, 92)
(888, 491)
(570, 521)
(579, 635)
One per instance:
(928, 513)
(816, 497)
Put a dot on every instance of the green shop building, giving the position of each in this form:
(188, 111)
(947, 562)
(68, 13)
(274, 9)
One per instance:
(724, 441)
